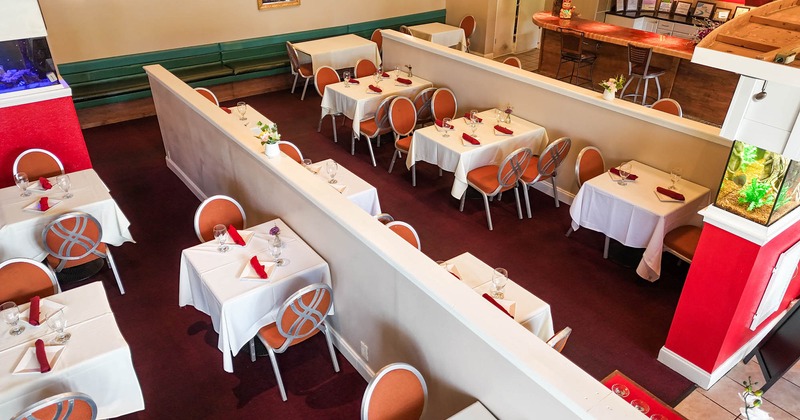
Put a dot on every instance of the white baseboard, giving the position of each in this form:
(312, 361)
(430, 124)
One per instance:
(565, 197)
(186, 180)
(352, 356)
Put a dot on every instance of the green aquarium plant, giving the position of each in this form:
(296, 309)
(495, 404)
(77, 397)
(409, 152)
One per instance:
(755, 195)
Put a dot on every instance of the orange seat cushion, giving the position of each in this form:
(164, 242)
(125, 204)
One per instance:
(306, 70)
(484, 178)
(683, 240)
(403, 144)
(274, 339)
(532, 171)
(369, 127)
(54, 261)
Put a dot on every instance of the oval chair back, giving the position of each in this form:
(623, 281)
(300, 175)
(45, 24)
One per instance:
(669, 106)
(377, 38)
(423, 104)
(398, 391)
(66, 406)
(402, 116)
(559, 340)
(512, 168)
(291, 150)
(468, 24)
(382, 120)
(443, 104)
(513, 61)
(294, 62)
(218, 209)
(589, 164)
(552, 157)
(324, 77)
(405, 231)
(208, 95)
(73, 239)
(302, 314)
(23, 278)
(38, 163)
(364, 67)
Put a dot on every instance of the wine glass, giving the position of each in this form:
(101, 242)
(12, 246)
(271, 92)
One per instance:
(624, 172)
(498, 115)
(640, 405)
(346, 77)
(64, 183)
(10, 313)
(473, 122)
(658, 417)
(331, 167)
(221, 235)
(499, 279)
(446, 124)
(396, 72)
(675, 175)
(58, 322)
(275, 249)
(241, 108)
(21, 179)
(621, 390)
(378, 77)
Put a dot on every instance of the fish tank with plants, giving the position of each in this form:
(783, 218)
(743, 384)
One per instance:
(26, 64)
(759, 185)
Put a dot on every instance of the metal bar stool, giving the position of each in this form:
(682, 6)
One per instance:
(572, 52)
(639, 68)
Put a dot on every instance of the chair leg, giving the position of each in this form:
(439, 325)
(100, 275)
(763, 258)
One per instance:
(371, 153)
(605, 248)
(644, 94)
(558, 69)
(488, 213)
(113, 266)
(527, 200)
(394, 158)
(569, 232)
(440, 171)
(252, 349)
(330, 349)
(294, 84)
(353, 143)
(463, 197)
(414, 175)
(622, 92)
(319, 126)
(555, 190)
(658, 89)
(277, 372)
(303, 96)
(333, 126)
(519, 205)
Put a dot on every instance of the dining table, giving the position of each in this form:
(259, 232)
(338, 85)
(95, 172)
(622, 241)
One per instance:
(350, 185)
(634, 213)
(22, 223)
(96, 360)
(223, 286)
(450, 152)
(440, 33)
(339, 52)
(474, 411)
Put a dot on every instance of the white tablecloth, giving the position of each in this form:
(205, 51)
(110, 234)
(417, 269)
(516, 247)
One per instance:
(358, 102)
(633, 215)
(21, 231)
(475, 411)
(440, 33)
(338, 52)
(452, 155)
(209, 281)
(356, 189)
(531, 312)
(96, 360)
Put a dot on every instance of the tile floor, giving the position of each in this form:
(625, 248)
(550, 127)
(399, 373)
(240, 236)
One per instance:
(529, 59)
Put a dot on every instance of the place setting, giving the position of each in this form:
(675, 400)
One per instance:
(622, 174)
(41, 313)
(671, 193)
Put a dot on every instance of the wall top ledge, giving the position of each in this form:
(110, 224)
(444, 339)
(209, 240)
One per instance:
(743, 228)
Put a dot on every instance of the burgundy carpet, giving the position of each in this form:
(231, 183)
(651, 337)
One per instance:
(619, 321)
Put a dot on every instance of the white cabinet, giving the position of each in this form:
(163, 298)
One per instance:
(650, 25)
(663, 27)
(625, 22)
(683, 31)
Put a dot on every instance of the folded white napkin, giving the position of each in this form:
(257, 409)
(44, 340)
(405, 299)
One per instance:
(508, 305)
(314, 167)
(339, 187)
(452, 269)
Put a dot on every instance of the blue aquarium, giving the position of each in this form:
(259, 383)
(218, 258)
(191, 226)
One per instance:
(26, 64)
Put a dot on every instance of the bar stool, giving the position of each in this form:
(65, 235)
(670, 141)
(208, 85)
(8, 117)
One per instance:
(639, 68)
(572, 52)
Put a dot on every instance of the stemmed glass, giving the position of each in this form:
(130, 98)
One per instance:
(11, 316)
(499, 279)
(624, 172)
(396, 72)
(346, 77)
(64, 183)
(675, 175)
(275, 249)
(241, 108)
(498, 115)
(621, 390)
(58, 322)
(221, 235)
(331, 167)
(446, 123)
(378, 76)
(21, 179)
(640, 405)
(473, 122)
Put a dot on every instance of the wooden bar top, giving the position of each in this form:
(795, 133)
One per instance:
(613, 34)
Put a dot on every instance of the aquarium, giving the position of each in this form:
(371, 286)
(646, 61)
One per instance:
(759, 185)
(26, 64)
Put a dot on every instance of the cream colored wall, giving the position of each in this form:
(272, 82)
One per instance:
(91, 29)
(481, 10)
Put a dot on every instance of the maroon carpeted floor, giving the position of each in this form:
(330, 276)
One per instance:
(619, 321)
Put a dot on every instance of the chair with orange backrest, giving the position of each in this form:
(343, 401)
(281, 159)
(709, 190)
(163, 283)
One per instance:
(669, 106)
(326, 76)
(291, 150)
(38, 163)
(208, 95)
(66, 406)
(682, 242)
(217, 210)
(22, 278)
(513, 61)
(422, 102)
(405, 231)
(299, 70)
(544, 167)
(403, 118)
(398, 391)
(364, 67)
(374, 127)
(491, 180)
(377, 38)
(299, 318)
(589, 164)
(468, 24)
(74, 239)
(444, 104)
(559, 340)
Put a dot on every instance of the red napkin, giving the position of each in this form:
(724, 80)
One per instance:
(503, 130)
(386, 75)
(404, 81)
(375, 89)
(440, 123)
(33, 313)
(470, 139)
(258, 267)
(494, 302)
(43, 205)
(41, 356)
(354, 81)
(46, 185)
(235, 236)
(479, 119)
(615, 171)
(671, 194)
(226, 109)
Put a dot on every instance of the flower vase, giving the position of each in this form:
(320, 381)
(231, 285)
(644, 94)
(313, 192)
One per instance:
(272, 150)
(608, 95)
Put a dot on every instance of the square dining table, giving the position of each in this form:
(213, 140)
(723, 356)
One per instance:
(453, 154)
(212, 282)
(21, 229)
(634, 214)
(440, 33)
(350, 185)
(338, 52)
(96, 360)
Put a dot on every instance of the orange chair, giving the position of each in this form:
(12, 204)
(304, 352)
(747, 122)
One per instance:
(559, 340)
(377, 38)
(422, 102)
(544, 167)
(299, 318)
(405, 231)
(403, 118)
(208, 95)
(669, 106)
(443, 104)
(22, 278)
(326, 76)
(513, 61)
(66, 406)
(74, 239)
(398, 391)
(682, 242)
(299, 70)
(38, 163)
(364, 67)
(217, 210)
(374, 127)
(589, 164)
(468, 24)
(291, 150)
(491, 180)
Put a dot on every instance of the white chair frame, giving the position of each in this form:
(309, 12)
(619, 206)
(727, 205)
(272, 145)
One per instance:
(294, 63)
(321, 93)
(558, 150)
(383, 125)
(556, 339)
(202, 89)
(379, 376)
(293, 146)
(410, 228)
(41, 266)
(578, 180)
(672, 101)
(205, 203)
(433, 102)
(397, 136)
(70, 397)
(47, 152)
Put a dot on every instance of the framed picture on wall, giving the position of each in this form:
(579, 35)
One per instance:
(620, 5)
(704, 10)
(682, 8)
(721, 14)
(665, 6)
(740, 10)
(648, 5)
(632, 5)
(269, 4)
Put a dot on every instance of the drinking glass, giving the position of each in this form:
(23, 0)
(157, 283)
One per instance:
(331, 167)
(21, 179)
(640, 405)
(447, 122)
(241, 108)
(346, 77)
(499, 279)
(64, 183)
(396, 72)
(473, 122)
(675, 175)
(10, 314)
(221, 235)
(377, 76)
(58, 323)
(658, 417)
(498, 115)
(621, 390)
(624, 172)
(307, 163)
(275, 249)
